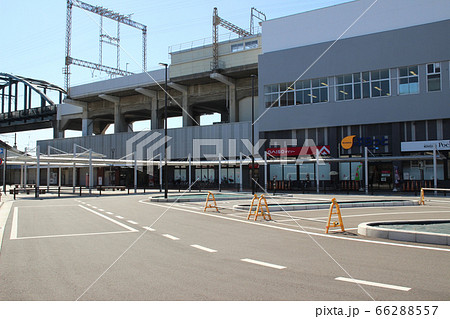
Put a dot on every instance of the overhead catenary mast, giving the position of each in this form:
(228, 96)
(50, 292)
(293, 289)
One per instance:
(115, 41)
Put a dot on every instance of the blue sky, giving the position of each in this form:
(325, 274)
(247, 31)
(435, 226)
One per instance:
(33, 36)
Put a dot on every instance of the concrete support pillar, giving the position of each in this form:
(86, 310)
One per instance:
(87, 125)
(119, 121)
(154, 121)
(57, 132)
(231, 83)
(187, 113)
(120, 125)
(153, 106)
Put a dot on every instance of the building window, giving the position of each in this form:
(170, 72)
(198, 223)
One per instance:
(408, 80)
(271, 93)
(379, 81)
(237, 47)
(286, 94)
(355, 86)
(319, 90)
(434, 77)
(251, 45)
(311, 91)
(303, 92)
(348, 87)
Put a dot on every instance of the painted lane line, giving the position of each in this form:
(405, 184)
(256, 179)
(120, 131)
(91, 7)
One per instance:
(148, 228)
(209, 250)
(15, 223)
(109, 213)
(262, 263)
(120, 217)
(77, 235)
(375, 242)
(371, 283)
(94, 207)
(101, 210)
(171, 237)
(132, 222)
(110, 219)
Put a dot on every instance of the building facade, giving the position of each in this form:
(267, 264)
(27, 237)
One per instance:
(383, 84)
(338, 80)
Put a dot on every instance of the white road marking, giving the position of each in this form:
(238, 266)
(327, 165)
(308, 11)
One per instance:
(371, 283)
(148, 228)
(120, 217)
(132, 222)
(101, 210)
(262, 263)
(77, 235)
(143, 201)
(209, 250)
(110, 219)
(15, 223)
(171, 237)
(109, 213)
(95, 207)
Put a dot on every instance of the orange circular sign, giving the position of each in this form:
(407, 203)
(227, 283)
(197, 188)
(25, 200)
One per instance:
(347, 142)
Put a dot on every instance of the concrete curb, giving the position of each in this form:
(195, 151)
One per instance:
(326, 205)
(370, 230)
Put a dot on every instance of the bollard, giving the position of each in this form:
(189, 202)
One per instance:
(128, 190)
(80, 191)
(59, 191)
(15, 190)
(100, 190)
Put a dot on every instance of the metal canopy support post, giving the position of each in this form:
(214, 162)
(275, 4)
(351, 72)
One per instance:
(240, 171)
(59, 176)
(366, 170)
(74, 173)
(220, 172)
(21, 176)
(4, 169)
(90, 172)
(38, 169)
(25, 173)
(160, 173)
(265, 171)
(48, 176)
(435, 168)
(135, 173)
(317, 172)
(48, 170)
(190, 172)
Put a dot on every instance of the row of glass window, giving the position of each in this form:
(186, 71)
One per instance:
(229, 175)
(351, 86)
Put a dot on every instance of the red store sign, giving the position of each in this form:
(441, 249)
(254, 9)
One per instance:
(296, 151)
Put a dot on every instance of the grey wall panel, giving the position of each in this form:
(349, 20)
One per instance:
(181, 144)
(416, 45)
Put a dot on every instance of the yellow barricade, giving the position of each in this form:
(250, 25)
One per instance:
(338, 212)
(259, 209)
(207, 205)
(422, 197)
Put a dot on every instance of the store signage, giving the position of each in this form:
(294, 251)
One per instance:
(421, 146)
(296, 151)
(370, 142)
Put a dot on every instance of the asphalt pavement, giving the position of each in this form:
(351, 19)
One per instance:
(128, 248)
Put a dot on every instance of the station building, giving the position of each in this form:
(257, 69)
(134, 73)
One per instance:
(336, 80)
